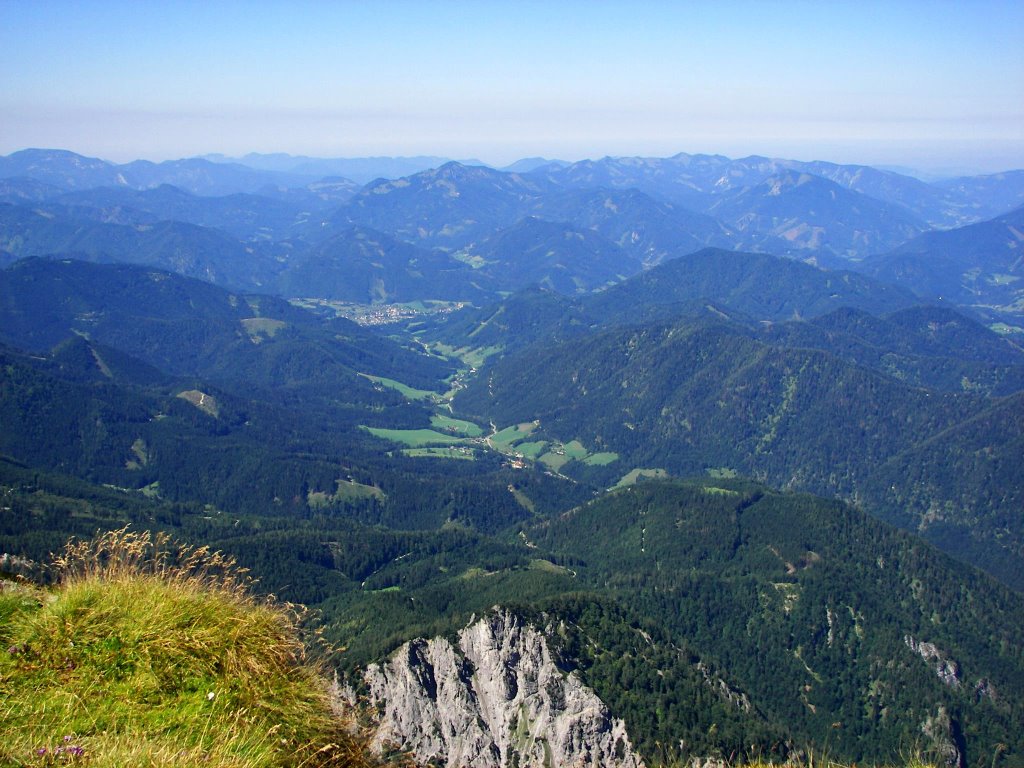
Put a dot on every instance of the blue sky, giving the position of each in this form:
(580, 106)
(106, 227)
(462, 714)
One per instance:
(933, 85)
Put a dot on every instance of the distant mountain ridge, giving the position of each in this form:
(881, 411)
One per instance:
(188, 249)
(695, 180)
(797, 211)
(359, 169)
(68, 170)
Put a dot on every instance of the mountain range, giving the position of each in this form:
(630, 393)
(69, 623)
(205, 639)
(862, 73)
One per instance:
(735, 445)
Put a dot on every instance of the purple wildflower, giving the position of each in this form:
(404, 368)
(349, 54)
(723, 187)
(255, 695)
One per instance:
(41, 751)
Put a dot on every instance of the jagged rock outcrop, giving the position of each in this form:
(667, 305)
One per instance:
(942, 732)
(492, 699)
(946, 668)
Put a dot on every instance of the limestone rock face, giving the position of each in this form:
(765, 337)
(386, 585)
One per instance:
(946, 668)
(492, 699)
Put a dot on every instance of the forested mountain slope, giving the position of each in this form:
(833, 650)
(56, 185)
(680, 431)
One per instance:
(189, 327)
(717, 618)
(980, 265)
(704, 394)
(190, 250)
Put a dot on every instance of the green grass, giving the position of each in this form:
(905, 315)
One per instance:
(504, 439)
(524, 501)
(555, 461)
(477, 356)
(547, 566)
(601, 459)
(442, 453)
(346, 490)
(574, 450)
(473, 357)
(721, 473)
(456, 426)
(634, 475)
(714, 490)
(531, 449)
(260, 328)
(409, 393)
(415, 438)
(154, 655)
(560, 454)
(469, 258)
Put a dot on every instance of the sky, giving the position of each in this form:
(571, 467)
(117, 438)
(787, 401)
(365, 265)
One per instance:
(935, 86)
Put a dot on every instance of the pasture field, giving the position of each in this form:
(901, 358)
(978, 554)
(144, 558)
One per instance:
(601, 459)
(410, 393)
(554, 461)
(416, 438)
(531, 449)
(456, 426)
(474, 357)
(504, 439)
(634, 475)
(441, 452)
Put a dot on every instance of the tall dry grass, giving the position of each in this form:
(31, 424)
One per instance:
(150, 652)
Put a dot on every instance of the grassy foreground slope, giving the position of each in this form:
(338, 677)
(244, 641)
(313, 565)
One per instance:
(153, 655)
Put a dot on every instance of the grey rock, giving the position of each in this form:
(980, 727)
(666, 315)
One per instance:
(491, 699)
(945, 667)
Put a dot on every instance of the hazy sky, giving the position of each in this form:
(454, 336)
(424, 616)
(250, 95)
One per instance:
(933, 85)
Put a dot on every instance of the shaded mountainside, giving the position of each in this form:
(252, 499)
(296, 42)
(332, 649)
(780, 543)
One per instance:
(760, 286)
(21, 190)
(190, 442)
(797, 212)
(981, 265)
(524, 318)
(650, 229)
(189, 327)
(552, 255)
(363, 265)
(930, 347)
(448, 207)
(699, 395)
(748, 288)
(989, 195)
(190, 250)
(795, 600)
(184, 442)
(241, 215)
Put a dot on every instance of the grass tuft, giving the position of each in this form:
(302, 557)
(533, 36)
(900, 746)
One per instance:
(149, 653)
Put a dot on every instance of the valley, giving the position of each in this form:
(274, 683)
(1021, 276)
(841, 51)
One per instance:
(736, 446)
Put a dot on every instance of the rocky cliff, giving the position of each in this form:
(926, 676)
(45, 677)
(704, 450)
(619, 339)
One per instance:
(492, 698)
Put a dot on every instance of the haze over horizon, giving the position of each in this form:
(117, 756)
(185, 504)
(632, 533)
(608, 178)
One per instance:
(932, 86)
